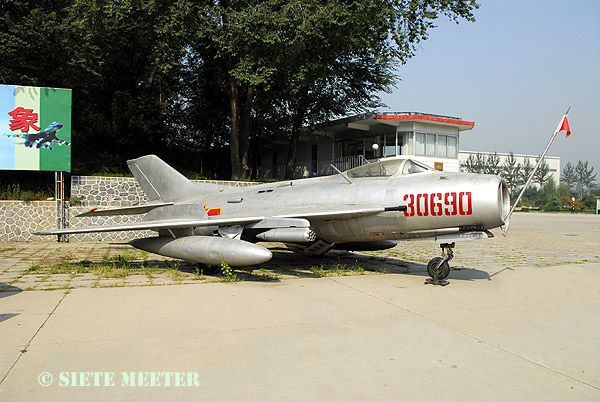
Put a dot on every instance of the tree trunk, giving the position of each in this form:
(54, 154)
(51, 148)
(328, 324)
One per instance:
(234, 138)
(290, 166)
(244, 146)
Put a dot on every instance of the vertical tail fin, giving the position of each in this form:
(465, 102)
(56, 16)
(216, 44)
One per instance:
(159, 181)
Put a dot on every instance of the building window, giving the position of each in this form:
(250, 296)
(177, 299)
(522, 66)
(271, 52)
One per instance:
(420, 144)
(445, 146)
(405, 144)
(452, 151)
(430, 145)
(389, 148)
(442, 145)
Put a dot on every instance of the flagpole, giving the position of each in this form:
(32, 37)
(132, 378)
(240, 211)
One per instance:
(535, 169)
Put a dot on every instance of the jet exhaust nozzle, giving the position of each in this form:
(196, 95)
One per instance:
(208, 250)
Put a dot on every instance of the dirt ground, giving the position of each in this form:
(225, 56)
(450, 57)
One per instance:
(534, 240)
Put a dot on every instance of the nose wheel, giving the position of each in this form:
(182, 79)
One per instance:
(438, 267)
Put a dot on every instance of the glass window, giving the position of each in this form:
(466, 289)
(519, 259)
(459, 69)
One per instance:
(420, 144)
(390, 145)
(411, 167)
(430, 146)
(441, 146)
(377, 169)
(452, 147)
(406, 144)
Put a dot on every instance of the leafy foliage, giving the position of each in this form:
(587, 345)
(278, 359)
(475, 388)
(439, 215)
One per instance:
(542, 173)
(510, 173)
(568, 175)
(187, 79)
(586, 178)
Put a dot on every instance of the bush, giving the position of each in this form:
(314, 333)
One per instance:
(554, 204)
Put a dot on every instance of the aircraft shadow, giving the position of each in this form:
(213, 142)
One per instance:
(290, 261)
(4, 317)
(8, 290)
(337, 262)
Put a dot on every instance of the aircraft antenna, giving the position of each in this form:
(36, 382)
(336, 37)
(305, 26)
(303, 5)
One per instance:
(507, 219)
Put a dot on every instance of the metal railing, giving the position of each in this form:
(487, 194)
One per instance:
(313, 168)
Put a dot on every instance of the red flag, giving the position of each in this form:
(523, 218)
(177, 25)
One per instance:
(565, 126)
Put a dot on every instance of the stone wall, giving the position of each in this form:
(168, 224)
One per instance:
(19, 218)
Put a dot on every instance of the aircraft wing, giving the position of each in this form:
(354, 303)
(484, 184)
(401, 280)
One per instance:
(138, 209)
(299, 218)
(155, 225)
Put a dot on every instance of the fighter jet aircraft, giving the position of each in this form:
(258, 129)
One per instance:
(366, 208)
(43, 139)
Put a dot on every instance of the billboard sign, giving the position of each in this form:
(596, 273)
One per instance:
(35, 128)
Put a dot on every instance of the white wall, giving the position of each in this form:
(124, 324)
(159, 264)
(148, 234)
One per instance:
(553, 161)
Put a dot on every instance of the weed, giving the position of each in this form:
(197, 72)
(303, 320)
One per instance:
(175, 274)
(227, 272)
(75, 201)
(109, 271)
(32, 268)
(337, 269)
(266, 277)
(60, 269)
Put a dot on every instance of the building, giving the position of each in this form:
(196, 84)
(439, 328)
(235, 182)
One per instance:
(351, 141)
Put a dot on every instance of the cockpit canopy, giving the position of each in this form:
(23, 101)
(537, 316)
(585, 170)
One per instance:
(388, 168)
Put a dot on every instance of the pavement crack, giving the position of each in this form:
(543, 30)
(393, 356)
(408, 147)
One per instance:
(34, 335)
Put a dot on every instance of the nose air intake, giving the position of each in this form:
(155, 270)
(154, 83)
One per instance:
(503, 199)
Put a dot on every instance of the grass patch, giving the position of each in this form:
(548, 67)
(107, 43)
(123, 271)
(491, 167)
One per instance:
(337, 270)
(32, 269)
(107, 271)
(174, 274)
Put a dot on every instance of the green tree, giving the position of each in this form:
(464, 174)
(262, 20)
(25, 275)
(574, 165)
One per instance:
(255, 42)
(492, 164)
(120, 58)
(510, 173)
(569, 176)
(474, 163)
(542, 173)
(526, 169)
(586, 178)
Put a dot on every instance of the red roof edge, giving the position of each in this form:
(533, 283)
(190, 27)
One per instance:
(424, 117)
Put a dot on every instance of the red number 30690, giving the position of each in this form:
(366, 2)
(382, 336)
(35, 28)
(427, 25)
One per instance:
(438, 204)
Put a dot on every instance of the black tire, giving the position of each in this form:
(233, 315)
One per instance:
(445, 268)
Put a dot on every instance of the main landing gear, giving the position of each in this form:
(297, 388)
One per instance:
(438, 267)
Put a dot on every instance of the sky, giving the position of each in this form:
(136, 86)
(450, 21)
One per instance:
(514, 72)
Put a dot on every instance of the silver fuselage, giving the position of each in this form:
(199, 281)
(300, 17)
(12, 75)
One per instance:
(436, 203)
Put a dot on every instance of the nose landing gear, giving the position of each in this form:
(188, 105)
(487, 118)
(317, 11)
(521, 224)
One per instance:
(438, 267)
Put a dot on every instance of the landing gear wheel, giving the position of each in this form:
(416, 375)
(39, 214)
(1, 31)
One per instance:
(442, 272)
